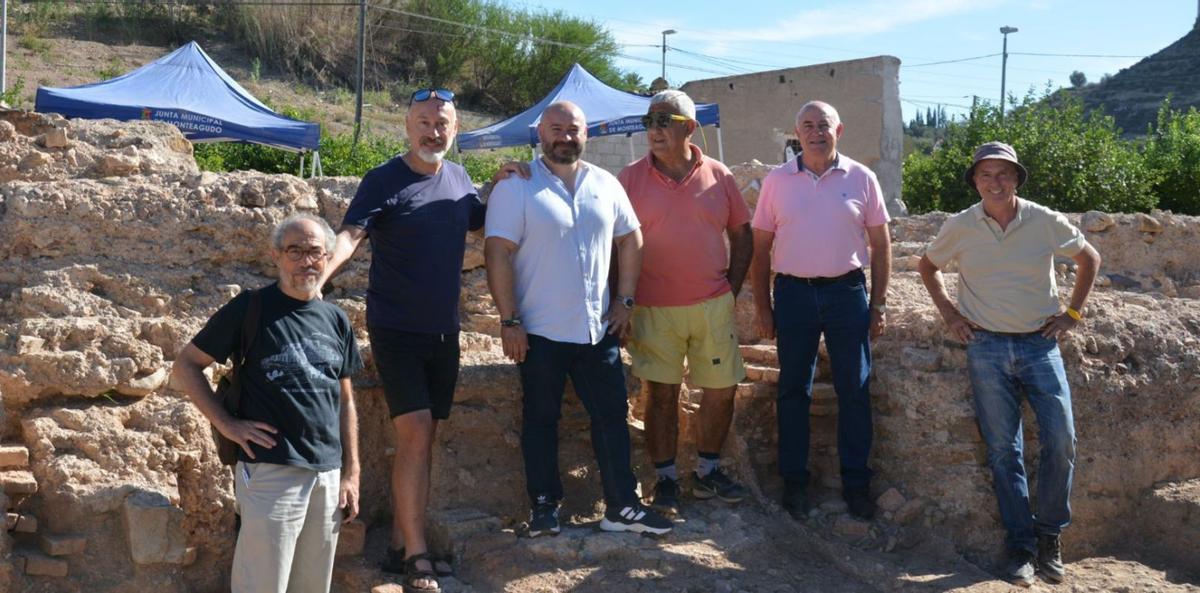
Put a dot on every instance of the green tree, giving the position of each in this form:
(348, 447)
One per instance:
(1077, 162)
(1078, 79)
(1173, 152)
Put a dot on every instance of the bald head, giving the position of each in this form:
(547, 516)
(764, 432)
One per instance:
(563, 132)
(821, 108)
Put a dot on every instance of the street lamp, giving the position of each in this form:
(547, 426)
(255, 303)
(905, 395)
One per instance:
(1005, 30)
(664, 60)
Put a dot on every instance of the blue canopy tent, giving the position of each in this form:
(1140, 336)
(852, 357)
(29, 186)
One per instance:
(608, 111)
(188, 89)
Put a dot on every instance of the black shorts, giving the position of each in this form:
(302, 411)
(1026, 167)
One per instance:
(418, 370)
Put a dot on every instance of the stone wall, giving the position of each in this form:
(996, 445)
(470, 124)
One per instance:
(112, 484)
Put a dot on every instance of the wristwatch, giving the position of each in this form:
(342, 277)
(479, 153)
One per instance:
(513, 322)
(881, 307)
(626, 301)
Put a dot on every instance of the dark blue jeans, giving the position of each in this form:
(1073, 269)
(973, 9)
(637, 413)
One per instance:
(599, 381)
(802, 313)
(1002, 369)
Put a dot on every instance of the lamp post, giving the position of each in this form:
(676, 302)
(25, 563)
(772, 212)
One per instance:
(1005, 30)
(664, 59)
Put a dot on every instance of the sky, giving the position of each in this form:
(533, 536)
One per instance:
(741, 36)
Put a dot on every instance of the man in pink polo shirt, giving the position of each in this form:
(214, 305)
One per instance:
(821, 211)
(687, 204)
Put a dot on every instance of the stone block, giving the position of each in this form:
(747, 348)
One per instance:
(154, 529)
(39, 565)
(909, 511)
(18, 482)
(62, 544)
(352, 538)
(852, 528)
(26, 524)
(14, 456)
(55, 138)
(891, 500)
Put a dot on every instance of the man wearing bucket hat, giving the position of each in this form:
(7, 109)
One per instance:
(1009, 315)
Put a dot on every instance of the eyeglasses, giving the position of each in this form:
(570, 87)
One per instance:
(300, 254)
(446, 95)
(661, 120)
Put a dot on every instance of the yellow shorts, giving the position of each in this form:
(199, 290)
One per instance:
(704, 333)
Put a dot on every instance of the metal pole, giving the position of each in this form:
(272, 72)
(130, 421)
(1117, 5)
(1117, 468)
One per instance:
(1003, 73)
(664, 60)
(4, 48)
(362, 71)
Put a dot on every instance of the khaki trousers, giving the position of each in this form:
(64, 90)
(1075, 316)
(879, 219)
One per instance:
(290, 526)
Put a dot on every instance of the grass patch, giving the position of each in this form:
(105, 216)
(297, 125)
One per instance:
(36, 44)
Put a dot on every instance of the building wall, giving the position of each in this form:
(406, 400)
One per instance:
(758, 113)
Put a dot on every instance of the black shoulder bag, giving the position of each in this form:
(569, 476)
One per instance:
(229, 388)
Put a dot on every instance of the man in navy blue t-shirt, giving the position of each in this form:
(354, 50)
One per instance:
(417, 209)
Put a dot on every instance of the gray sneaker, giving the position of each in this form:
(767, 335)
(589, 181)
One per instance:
(1018, 567)
(717, 484)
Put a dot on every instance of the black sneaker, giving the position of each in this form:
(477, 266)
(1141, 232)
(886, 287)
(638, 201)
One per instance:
(859, 504)
(637, 518)
(1018, 567)
(543, 520)
(795, 500)
(666, 497)
(1049, 558)
(717, 484)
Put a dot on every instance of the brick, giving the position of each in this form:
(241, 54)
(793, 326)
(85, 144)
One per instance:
(26, 524)
(18, 482)
(39, 565)
(352, 539)
(62, 544)
(14, 456)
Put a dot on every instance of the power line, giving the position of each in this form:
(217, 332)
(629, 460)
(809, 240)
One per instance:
(1026, 53)
(973, 58)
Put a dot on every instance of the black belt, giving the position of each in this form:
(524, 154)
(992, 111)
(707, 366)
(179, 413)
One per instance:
(821, 281)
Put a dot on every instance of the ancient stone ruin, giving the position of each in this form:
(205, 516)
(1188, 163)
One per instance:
(114, 249)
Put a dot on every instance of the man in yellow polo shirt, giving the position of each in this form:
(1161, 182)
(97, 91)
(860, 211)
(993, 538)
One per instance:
(1010, 317)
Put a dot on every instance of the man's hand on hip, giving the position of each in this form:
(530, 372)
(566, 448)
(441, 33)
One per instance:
(244, 432)
(960, 327)
(1058, 325)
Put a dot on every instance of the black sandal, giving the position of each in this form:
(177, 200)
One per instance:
(412, 574)
(443, 564)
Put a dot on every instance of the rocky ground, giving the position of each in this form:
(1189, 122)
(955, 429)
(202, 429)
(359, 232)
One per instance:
(116, 248)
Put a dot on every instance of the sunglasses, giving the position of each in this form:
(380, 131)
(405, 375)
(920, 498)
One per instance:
(661, 120)
(446, 95)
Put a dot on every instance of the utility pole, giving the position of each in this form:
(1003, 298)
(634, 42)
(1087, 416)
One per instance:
(664, 60)
(1005, 30)
(3, 47)
(362, 71)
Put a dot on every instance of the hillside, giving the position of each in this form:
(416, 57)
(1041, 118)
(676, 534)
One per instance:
(1133, 95)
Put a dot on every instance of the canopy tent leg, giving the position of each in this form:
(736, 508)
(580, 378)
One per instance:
(301, 173)
(632, 157)
(720, 146)
(317, 171)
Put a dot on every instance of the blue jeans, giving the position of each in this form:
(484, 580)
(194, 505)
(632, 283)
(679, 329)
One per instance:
(1003, 368)
(802, 313)
(599, 381)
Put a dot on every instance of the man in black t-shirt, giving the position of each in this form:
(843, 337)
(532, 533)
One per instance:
(417, 209)
(297, 427)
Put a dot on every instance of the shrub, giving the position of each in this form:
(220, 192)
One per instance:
(1077, 162)
(1173, 152)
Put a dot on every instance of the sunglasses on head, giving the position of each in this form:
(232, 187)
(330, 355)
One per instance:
(446, 95)
(661, 120)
